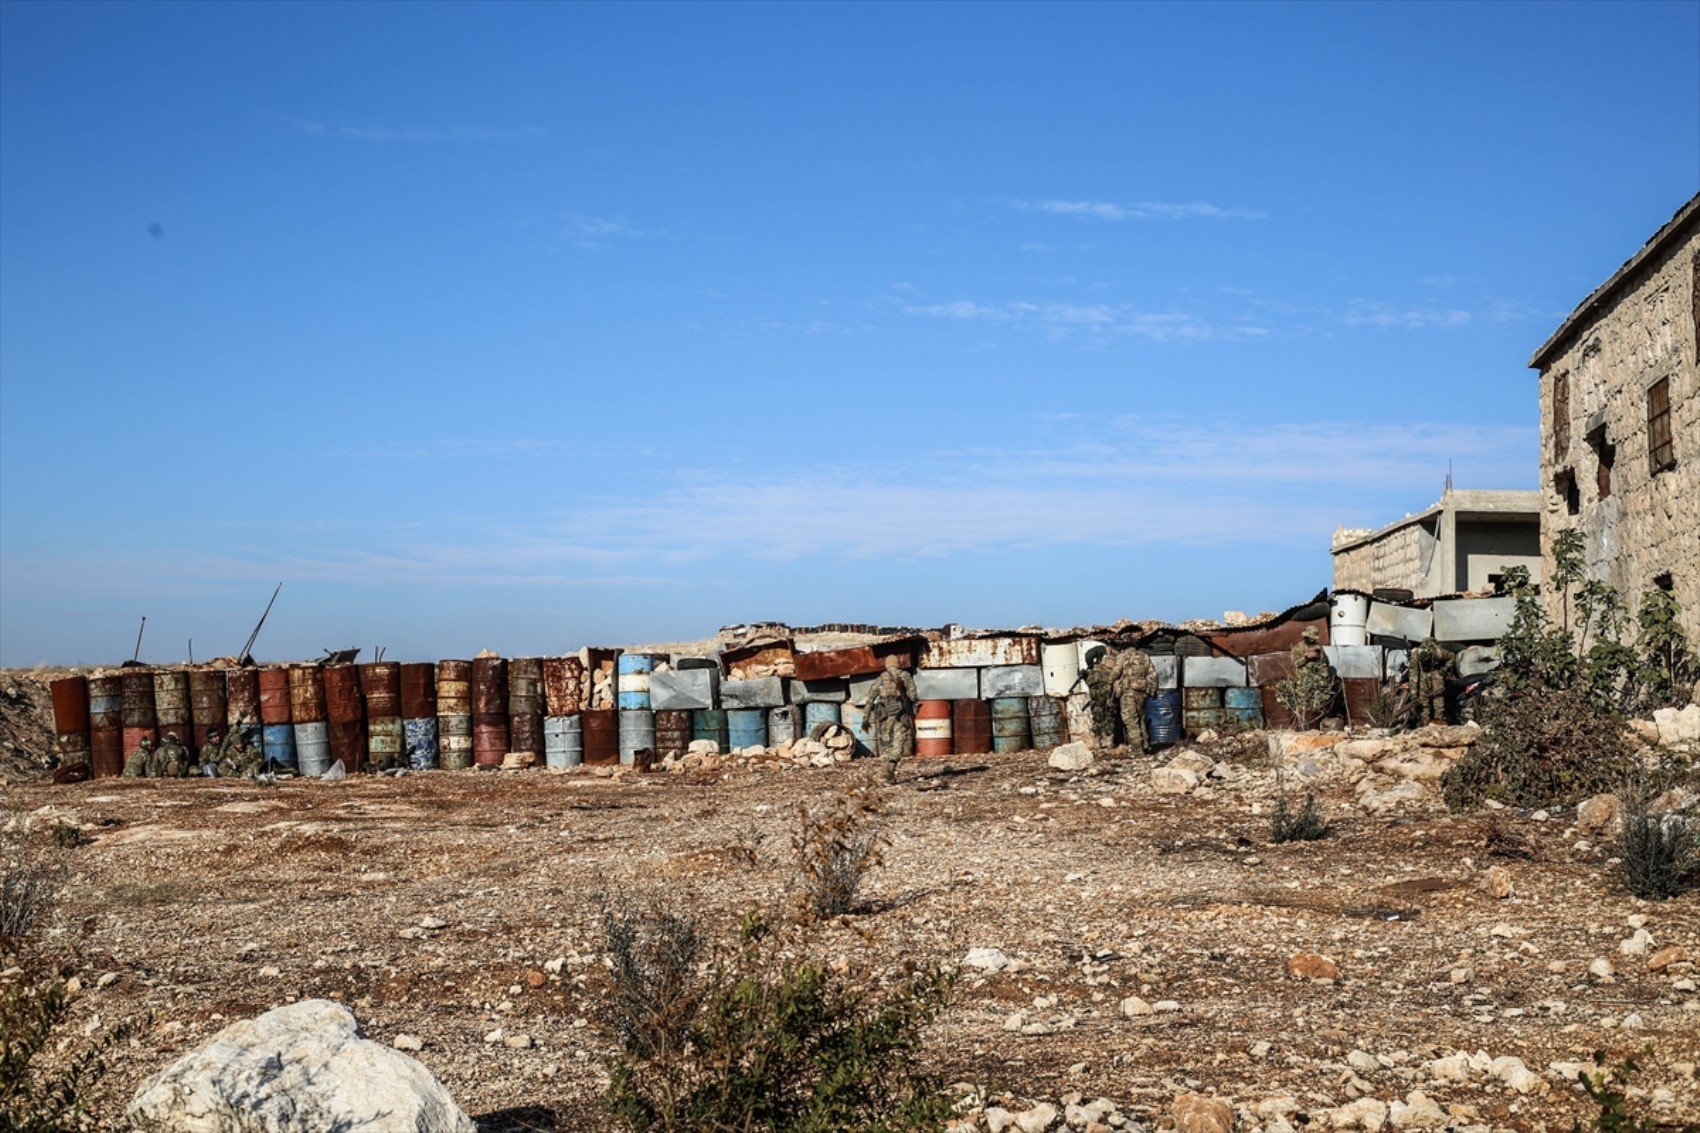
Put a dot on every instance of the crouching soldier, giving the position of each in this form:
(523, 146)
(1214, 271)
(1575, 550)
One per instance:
(240, 761)
(173, 758)
(140, 763)
(211, 752)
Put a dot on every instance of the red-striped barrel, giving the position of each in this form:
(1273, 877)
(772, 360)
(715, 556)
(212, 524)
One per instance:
(207, 704)
(274, 696)
(418, 690)
(380, 684)
(563, 686)
(136, 687)
(971, 727)
(454, 688)
(602, 736)
(490, 686)
(106, 725)
(241, 697)
(933, 730)
(171, 702)
(307, 694)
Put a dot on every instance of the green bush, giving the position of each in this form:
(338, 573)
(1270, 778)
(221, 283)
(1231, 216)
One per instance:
(1307, 825)
(1540, 749)
(1658, 853)
(778, 1045)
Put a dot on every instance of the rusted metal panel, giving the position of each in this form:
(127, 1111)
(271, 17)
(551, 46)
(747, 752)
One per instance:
(981, 652)
(1360, 695)
(857, 660)
(1275, 714)
(1265, 639)
(1267, 668)
(767, 692)
(563, 686)
(418, 690)
(274, 696)
(343, 702)
(759, 659)
(306, 694)
(70, 704)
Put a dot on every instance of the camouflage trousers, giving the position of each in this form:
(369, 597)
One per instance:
(1132, 705)
(894, 738)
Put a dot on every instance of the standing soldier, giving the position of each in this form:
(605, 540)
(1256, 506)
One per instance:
(890, 709)
(140, 763)
(1308, 651)
(1431, 664)
(1101, 684)
(1136, 682)
(173, 758)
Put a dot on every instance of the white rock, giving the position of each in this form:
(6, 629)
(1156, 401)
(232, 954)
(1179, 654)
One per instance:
(704, 747)
(1636, 945)
(1174, 781)
(1036, 1120)
(297, 1069)
(1365, 1113)
(1600, 969)
(1417, 1111)
(1195, 762)
(1363, 1062)
(1165, 1007)
(1514, 1073)
(1452, 1068)
(1133, 1006)
(1071, 757)
(998, 1118)
(986, 959)
(407, 1042)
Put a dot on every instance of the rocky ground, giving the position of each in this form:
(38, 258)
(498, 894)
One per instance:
(1133, 934)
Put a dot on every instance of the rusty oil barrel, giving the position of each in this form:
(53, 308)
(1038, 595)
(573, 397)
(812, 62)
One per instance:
(1048, 719)
(490, 686)
(106, 726)
(345, 712)
(525, 687)
(241, 697)
(171, 704)
(563, 680)
(207, 704)
(601, 736)
(136, 687)
(418, 690)
(71, 719)
(525, 733)
(380, 684)
(454, 741)
(274, 696)
(489, 739)
(971, 727)
(933, 731)
(672, 733)
(307, 694)
(454, 688)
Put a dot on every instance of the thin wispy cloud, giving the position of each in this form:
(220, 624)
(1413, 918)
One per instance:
(1387, 316)
(587, 231)
(1095, 320)
(455, 135)
(455, 447)
(1142, 210)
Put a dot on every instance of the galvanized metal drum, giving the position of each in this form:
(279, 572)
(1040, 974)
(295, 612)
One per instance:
(563, 678)
(934, 733)
(563, 741)
(171, 703)
(136, 687)
(746, 727)
(971, 727)
(525, 691)
(711, 724)
(1047, 722)
(1009, 724)
(277, 744)
(454, 688)
(601, 736)
(637, 733)
(816, 713)
(274, 696)
(856, 720)
(672, 733)
(419, 736)
(312, 747)
(207, 704)
(384, 739)
(1244, 706)
(1163, 717)
(632, 676)
(784, 724)
(106, 726)
(454, 742)
(1203, 708)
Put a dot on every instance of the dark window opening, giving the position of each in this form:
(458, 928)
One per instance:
(1665, 581)
(1561, 416)
(1661, 446)
(1564, 483)
(1604, 454)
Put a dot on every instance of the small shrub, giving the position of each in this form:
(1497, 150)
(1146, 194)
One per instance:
(1660, 854)
(781, 1045)
(1307, 825)
(836, 845)
(1308, 695)
(34, 1099)
(1614, 1114)
(653, 952)
(30, 876)
(1540, 749)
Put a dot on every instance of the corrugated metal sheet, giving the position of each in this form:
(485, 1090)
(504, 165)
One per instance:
(857, 660)
(981, 652)
(1473, 619)
(1388, 620)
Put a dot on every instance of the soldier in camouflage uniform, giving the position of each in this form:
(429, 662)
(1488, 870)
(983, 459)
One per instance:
(173, 758)
(211, 752)
(1431, 664)
(1136, 682)
(140, 763)
(1313, 685)
(240, 761)
(1101, 684)
(890, 709)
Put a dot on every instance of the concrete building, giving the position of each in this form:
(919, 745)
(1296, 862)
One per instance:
(1620, 422)
(1464, 542)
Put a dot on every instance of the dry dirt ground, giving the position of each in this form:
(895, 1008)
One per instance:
(212, 901)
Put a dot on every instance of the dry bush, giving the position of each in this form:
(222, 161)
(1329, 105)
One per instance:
(31, 871)
(653, 952)
(836, 845)
(1551, 748)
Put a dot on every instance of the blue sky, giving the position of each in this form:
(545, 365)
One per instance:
(529, 326)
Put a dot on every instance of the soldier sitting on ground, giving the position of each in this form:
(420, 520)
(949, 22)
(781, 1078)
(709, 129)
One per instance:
(173, 758)
(211, 752)
(140, 763)
(240, 761)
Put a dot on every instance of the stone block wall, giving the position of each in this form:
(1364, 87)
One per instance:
(1398, 558)
(1650, 523)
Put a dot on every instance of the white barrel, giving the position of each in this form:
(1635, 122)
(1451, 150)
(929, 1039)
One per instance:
(563, 741)
(937, 728)
(1348, 619)
(313, 748)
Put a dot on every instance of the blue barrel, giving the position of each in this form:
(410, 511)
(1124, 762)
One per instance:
(1163, 717)
(563, 741)
(746, 727)
(637, 733)
(816, 713)
(1009, 724)
(1244, 706)
(857, 721)
(633, 671)
(419, 743)
(1047, 721)
(784, 724)
(312, 747)
(277, 744)
(710, 724)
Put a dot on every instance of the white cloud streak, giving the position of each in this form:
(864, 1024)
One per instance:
(454, 135)
(1143, 210)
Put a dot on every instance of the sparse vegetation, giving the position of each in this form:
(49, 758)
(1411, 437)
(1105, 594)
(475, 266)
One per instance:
(836, 845)
(1308, 695)
(1304, 825)
(656, 989)
(1614, 1116)
(1553, 748)
(30, 875)
(783, 1045)
(33, 1098)
(1660, 854)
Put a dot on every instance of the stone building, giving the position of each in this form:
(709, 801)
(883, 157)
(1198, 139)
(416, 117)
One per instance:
(1620, 422)
(1464, 542)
